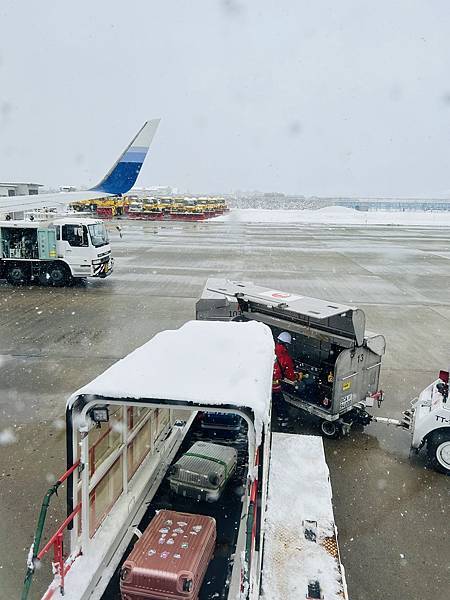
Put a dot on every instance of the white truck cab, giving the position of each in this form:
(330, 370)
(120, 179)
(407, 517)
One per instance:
(54, 252)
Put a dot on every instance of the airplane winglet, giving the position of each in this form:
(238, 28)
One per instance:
(123, 174)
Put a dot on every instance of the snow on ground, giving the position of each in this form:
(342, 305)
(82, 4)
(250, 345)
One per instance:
(337, 215)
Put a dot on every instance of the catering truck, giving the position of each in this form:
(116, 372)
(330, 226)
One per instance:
(127, 429)
(54, 252)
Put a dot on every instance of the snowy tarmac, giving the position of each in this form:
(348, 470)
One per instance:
(392, 514)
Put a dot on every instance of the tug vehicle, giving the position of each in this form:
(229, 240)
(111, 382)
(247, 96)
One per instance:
(129, 425)
(54, 252)
(428, 422)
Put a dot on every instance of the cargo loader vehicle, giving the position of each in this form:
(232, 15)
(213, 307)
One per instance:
(127, 428)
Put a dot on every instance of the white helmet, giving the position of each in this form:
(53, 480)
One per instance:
(285, 337)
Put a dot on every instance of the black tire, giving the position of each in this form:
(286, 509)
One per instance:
(18, 275)
(438, 450)
(330, 429)
(57, 274)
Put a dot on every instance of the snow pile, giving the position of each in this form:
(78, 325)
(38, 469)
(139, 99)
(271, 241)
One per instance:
(337, 215)
(299, 491)
(203, 362)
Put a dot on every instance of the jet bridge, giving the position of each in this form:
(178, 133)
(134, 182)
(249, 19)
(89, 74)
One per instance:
(339, 359)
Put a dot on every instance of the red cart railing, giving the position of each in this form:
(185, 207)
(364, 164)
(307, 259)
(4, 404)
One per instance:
(55, 542)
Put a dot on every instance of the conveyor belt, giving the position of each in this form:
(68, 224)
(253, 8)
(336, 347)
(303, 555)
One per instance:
(301, 555)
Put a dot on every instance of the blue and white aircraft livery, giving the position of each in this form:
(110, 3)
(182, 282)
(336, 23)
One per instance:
(119, 180)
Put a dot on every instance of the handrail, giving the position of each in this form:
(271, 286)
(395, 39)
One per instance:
(34, 554)
(61, 528)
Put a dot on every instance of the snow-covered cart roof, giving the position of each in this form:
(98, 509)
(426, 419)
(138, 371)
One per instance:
(202, 363)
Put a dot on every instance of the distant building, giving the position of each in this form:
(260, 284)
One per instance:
(275, 200)
(397, 204)
(19, 189)
(155, 190)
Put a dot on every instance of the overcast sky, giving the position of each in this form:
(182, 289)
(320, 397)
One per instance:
(348, 97)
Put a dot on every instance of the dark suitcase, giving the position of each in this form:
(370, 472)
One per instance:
(203, 472)
(170, 560)
(222, 425)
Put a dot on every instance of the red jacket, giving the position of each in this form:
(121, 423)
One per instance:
(283, 366)
(277, 377)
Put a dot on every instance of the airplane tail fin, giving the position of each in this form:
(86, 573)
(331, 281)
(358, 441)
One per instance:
(123, 174)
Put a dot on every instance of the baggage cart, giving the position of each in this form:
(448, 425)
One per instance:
(170, 560)
(203, 472)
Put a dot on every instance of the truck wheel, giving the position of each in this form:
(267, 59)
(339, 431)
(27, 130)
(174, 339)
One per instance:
(329, 429)
(57, 275)
(438, 449)
(18, 275)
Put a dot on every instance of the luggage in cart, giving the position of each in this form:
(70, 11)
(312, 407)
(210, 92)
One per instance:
(203, 472)
(221, 425)
(170, 560)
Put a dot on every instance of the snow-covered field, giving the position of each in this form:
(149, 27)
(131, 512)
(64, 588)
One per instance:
(337, 215)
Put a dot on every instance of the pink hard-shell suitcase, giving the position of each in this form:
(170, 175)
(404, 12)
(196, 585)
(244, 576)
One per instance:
(170, 560)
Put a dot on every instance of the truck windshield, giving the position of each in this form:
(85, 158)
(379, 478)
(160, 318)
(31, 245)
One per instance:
(99, 235)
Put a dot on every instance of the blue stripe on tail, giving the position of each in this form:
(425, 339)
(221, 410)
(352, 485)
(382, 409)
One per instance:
(122, 177)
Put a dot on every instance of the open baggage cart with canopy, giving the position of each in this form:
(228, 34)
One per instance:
(134, 404)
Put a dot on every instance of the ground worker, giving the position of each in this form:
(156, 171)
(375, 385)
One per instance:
(276, 380)
(283, 366)
(283, 357)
